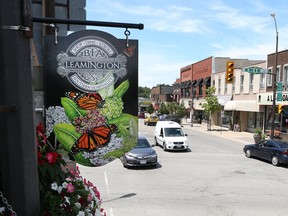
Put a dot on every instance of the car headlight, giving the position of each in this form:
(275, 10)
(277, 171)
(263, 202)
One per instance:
(128, 154)
(169, 142)
(153, 155)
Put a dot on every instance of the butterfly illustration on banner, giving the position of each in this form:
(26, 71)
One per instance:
(93, 139)
(87, 101)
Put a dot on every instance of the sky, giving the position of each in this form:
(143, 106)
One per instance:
(178, 33)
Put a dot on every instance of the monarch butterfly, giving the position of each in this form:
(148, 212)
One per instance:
(87, 101)
(94, 139)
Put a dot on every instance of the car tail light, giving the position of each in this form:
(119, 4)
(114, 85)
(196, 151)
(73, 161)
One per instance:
(285, 152)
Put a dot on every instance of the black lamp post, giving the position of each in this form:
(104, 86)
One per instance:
(274, 73)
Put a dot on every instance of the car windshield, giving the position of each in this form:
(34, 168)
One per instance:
(142, 143)
(173, 132)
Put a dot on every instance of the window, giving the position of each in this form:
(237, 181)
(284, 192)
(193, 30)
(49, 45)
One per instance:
(262, 81)
(201, 90)
(251, 81)
(219, 86)
(241, 82)
(269, 77)
(278, 74)
(285, 73)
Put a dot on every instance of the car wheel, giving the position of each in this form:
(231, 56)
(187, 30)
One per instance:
(156, 144)
(164, 147)
(275, 160)
(248, 153)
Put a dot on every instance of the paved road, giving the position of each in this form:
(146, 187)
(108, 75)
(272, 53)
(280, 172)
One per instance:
(214, 178)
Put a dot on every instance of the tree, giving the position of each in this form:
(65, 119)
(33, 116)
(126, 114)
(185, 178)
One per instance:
(172, 107)
(181, 110)
(211, 105)
(163, 109)
(144, 92)
(150, 109)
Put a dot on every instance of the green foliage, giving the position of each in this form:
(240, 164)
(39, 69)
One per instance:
(66, 135)
(172, 107)
(211, 105)
(144, 92)
(150, 109)
(181, 110)
(163, 109)
(71, 109)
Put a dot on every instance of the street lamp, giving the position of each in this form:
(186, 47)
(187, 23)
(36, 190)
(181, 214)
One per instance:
(274, 79)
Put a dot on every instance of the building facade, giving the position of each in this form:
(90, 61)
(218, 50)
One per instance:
(239, 108)
(161, 94)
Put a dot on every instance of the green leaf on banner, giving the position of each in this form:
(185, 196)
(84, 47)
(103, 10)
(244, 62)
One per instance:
(66, 135)
(71, 109)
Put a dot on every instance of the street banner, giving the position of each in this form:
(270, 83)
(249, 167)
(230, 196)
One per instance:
(91, 96)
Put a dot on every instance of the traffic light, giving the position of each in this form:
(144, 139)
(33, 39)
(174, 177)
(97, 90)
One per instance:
(280, 109)
(230, 72)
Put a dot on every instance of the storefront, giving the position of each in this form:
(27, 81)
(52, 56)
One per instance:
(281, 111)
(245, 114)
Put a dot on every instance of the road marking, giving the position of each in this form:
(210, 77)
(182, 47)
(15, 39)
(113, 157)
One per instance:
(107, 191)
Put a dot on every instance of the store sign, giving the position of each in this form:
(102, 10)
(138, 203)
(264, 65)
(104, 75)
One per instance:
(267, 98)
(91, 63)
(91, 100)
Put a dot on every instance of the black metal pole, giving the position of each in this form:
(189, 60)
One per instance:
(19, 176)
(274, 79)
(88, 22)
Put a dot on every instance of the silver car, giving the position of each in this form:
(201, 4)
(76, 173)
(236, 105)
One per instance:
(141, 155)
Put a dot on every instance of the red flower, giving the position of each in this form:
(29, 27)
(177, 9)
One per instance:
(52, 157)
(40, 160)
(40, 128)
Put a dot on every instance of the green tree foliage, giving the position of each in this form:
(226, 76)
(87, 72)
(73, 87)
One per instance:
(163, 109)
(211, 105)
(150, 109)
(144, 92)
(181, 110)
(175, 109)
(172, 107)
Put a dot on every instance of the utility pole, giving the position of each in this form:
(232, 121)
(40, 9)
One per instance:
(18, 158)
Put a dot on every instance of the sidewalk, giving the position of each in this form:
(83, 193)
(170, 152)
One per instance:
(244, 137)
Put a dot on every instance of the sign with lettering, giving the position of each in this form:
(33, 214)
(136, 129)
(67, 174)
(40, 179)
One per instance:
(91, 100)
(255, 70)
(267, 98)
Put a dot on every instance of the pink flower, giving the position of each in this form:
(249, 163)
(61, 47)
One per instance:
(52, 157)
(70, 188)
(89, 198)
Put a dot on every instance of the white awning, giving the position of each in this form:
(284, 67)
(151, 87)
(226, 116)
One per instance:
(223, 99)
(249, 106)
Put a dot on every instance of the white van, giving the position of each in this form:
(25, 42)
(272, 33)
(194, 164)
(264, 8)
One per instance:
(170, 136)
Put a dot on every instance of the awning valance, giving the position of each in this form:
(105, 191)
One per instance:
(207, 80)
(193, 82)
(244, 105)
(199, 82)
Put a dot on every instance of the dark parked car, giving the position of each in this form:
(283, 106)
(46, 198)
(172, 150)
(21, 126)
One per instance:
(270, 150)
(172, 118)
(141, 155)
